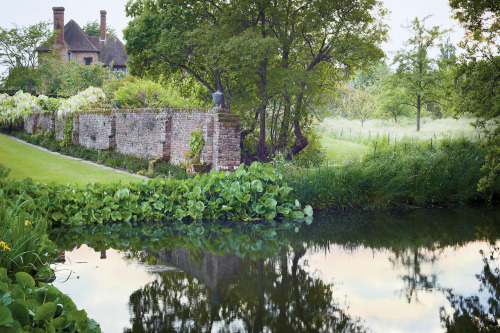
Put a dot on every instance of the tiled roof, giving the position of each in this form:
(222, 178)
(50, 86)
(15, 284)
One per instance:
(111, 50)
(76, 40)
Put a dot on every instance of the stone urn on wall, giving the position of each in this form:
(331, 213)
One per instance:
(218, 98)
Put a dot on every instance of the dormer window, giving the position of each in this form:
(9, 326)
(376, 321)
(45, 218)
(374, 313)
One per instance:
(88, 61)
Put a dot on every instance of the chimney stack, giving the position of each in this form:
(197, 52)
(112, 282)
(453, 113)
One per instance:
(103, 25)
(59, 24)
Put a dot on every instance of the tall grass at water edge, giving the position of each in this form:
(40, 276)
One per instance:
(24, 244)
(411, 173)
(387, 131)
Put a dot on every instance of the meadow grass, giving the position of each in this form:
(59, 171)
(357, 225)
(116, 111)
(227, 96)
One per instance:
(404, 129)
(27, 161)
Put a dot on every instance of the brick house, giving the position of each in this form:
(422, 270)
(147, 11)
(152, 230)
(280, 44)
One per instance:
(72, 43)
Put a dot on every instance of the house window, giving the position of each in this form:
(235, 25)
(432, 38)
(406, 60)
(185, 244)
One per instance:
(88, 61)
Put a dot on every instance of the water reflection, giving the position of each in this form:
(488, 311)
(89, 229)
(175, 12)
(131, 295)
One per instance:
(470, 313)
(237, 295)
(395, 271)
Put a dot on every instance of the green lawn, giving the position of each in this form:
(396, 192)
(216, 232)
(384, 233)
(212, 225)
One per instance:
(340, 151)
(27, 161)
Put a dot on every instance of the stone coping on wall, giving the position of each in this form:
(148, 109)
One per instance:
(190, 111)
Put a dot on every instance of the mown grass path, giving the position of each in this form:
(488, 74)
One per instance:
(340, 151)
(27, 161)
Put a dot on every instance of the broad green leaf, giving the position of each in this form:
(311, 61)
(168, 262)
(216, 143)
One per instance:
(20, 312)
(257, 185)
(270, 203)
(25, 280)
(45, 311)
(77, 315)
(6, 298)
(308, 210)
(5, 316)
(67, 302)
(116, 215)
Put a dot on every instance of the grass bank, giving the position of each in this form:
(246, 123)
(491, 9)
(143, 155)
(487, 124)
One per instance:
(27, 161)
(408, 174)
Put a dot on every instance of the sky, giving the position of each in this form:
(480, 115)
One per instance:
(27, 12)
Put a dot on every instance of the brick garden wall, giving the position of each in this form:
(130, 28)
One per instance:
(154, 134)
(30, 123)
(45, 123)
(96, 130)
(142, 133)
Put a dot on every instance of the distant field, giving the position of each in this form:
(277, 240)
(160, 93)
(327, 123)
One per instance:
(340, 151)
(27, 161)
(405, 128)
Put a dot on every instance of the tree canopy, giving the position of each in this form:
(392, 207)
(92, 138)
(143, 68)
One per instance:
(94, 29)
(478, 75)
(416, 70)
(18, 51)
(272, 59)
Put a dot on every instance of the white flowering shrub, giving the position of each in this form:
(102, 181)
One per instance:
(90, 98)
(23, 104)
(17, 106)
(6, 106)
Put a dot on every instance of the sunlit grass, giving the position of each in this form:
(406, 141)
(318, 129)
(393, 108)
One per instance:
(340, 151)
(27, 161)
(405, 128)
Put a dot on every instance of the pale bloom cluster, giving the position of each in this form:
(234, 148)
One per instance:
(23, 104)
(17, 106)
(85, 100)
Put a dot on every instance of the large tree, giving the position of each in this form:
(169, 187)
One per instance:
(18, 52)
(67, 79)
(93, 28)
(417, 71)
(478, 77)
(271, 59)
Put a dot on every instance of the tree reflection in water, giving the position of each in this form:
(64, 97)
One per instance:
(470, 313)
(415, 280)
(261, 284)
(263, 295)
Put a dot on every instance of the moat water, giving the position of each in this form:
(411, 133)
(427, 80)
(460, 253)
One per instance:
(414, 271)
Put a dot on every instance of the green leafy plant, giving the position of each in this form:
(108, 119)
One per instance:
(30, 306)
(67, 131)
(254, 193)
(196, 143)
(24, 245)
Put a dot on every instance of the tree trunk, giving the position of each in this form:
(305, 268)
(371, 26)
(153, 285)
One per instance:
(419, 105)
(261, 147)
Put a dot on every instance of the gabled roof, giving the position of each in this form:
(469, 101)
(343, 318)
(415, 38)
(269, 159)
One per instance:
(111, 50)
(76, 40)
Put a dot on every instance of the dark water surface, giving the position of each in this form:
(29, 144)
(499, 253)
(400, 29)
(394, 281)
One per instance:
(415, 271)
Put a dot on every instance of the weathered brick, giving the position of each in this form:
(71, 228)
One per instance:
(155, 134)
